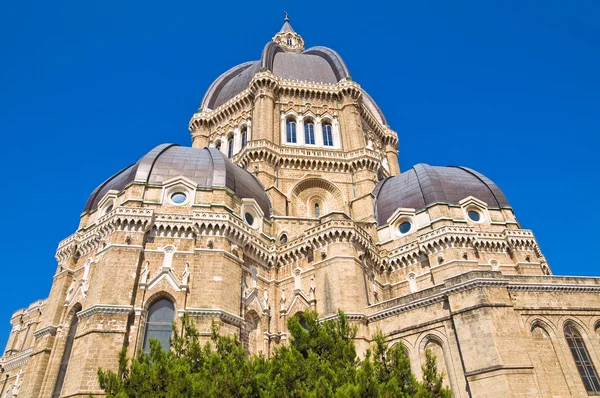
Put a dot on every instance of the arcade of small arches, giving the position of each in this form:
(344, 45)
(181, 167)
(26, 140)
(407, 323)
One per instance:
(310, 131)
(234, 141)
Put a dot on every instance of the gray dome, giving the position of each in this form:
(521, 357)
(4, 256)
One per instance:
(423, 185)
(317, 64)
(207, 167)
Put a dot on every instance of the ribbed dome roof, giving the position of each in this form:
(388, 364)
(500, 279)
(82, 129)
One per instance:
(423, 185)
(317, 64)
(207, 167)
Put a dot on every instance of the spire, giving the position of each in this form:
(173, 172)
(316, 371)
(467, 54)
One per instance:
(287, 37)
(286, 25)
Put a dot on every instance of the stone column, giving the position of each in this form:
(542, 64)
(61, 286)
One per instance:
(350, 120)
(200, 129)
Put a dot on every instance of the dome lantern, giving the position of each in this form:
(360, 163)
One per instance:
(287, 38)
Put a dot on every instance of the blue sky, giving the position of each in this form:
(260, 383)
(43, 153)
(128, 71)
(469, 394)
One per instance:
(509, 88)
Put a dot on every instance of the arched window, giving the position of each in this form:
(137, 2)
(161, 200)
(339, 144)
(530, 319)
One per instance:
(283, 238)
(582, 360)
(327, 135)
(159, 324)
(64, 363)
(309, 132)
(230, 147)
(317, 210)
(289, 41)
(290, 129)
(244, 136)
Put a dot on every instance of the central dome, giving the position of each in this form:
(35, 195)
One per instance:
(315, 65)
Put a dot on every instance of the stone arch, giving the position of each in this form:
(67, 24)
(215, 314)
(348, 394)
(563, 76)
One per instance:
(596, 327)
(159, 314)
(546, 361)
(435, 342)
(157, 296)
(583, 355)
(306, 192)
(67, 341)
(251, 335)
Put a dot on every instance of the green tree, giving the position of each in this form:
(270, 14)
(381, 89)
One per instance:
(319, 360)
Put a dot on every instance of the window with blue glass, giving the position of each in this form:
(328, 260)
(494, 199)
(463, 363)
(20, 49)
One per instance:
(159, 324)
(230, 148)
(244, 137)
(309, 132)
(327, 135)
(290, 129)
(317, 210)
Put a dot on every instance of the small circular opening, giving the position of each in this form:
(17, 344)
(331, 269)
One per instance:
(178, 198)
(108, 209)
(405, 227)
(474, 215)
(249, 218)
(283, 238)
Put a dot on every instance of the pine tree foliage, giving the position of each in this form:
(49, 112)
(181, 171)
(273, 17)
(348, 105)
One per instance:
(319, 360)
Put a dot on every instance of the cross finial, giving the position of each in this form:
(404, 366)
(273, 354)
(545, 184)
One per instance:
(287, 17)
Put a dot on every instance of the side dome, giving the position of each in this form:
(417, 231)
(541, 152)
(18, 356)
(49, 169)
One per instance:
(423, 185)
(316, 64)
(208, 167)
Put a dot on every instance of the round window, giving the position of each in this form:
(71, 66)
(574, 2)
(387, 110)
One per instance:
(249, 219)
(404, 227)
(108, 209)
(283, 238)
(178, 198)
(474, 215)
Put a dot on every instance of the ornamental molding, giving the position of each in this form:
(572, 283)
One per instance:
(104, 309)
(338, 228)
(352, 316)
(17, 360)
(45, 331)
(308, 158)
(405, 307)
(266, 83)
(553, 287)
(223, 315)
(225, 224)
(84, 241)
(453, 236)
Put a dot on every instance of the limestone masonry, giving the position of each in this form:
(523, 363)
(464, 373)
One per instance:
(291, 199)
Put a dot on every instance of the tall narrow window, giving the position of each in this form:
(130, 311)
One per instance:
(317, 210)
(309, 132)
(244, 137)
(582, 360)
(159, 324)
(64, 363)
(230, 147)
(290, 129)
(327, 135)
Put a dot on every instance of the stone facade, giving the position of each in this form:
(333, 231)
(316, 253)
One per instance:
(478, 293)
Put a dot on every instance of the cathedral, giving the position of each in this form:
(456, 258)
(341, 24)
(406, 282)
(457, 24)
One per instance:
(291, 199)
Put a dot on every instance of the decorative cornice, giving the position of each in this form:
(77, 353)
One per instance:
(413, 305)
(16, 361)
(104, 309)
(223, 315)
(552, 287)
(46, 330)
